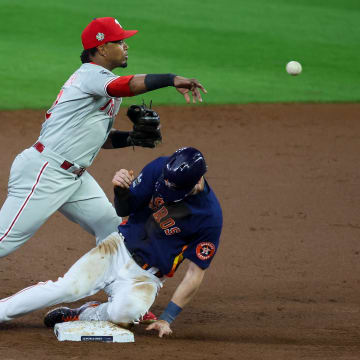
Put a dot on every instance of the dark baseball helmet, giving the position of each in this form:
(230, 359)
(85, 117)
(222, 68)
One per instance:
(181, 173)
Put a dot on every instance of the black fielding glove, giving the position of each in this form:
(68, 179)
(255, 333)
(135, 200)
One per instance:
(146, 128)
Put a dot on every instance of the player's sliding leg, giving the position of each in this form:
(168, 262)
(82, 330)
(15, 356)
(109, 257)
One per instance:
(86, 277)
(131, 289)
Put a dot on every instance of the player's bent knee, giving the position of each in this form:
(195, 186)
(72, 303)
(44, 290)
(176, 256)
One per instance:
(127, 315)
(128, 311)
(144, 294)
(106, 225)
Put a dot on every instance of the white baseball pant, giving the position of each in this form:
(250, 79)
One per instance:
(38, 187)
(108, 266)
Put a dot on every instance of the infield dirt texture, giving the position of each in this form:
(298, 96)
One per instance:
(238, 49)
(285, 282)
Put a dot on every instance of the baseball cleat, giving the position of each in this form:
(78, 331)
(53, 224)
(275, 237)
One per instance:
(148, 318)
(64, 314)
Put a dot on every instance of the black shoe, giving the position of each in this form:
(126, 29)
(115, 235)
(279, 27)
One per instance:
(64, 314)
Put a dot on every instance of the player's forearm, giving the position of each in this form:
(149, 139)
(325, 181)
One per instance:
(142, 83)
(122, 201)
(125, 86)
(184, 293)
(117, 139)
(187, 288)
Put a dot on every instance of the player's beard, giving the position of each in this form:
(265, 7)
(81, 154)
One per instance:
(124, 64)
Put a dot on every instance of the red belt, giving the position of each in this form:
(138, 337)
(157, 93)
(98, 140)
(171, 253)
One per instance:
(65, 165)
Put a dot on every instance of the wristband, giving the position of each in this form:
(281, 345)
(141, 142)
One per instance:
(171, 312)
(157, 81)
(119, 139)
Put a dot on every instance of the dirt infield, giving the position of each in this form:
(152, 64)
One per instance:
(285, 282)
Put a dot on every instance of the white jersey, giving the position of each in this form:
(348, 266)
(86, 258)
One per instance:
(41, 181)
(79, 121)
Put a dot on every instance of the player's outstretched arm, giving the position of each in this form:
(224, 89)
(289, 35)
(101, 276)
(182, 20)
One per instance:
(142, 83)
(183, 294)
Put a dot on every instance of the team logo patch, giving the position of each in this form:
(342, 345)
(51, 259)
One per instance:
(105, 72)
(205, 250)
(100, 36)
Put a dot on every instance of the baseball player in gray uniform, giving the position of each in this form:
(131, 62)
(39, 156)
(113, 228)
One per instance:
(52, 174)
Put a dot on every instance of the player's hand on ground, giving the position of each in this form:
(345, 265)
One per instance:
(162, 326)
(186, 86)
(123, 178)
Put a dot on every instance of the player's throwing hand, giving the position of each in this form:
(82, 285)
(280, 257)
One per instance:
(123, 178)
(184, 86)
(162, 326)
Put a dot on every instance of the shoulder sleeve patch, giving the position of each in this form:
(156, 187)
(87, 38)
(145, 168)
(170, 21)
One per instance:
(105, 73)
(205, 250)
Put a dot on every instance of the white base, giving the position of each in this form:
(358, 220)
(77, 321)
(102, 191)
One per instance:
(92, 331)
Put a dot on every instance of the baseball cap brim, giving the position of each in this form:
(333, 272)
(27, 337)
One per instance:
(169, 194)
(125, 34)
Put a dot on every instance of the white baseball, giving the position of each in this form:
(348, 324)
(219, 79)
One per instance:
(293, 68)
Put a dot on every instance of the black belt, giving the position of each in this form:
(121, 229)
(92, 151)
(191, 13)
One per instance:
(140, 261)
(65, 165)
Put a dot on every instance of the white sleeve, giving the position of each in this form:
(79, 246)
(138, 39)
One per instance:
(96, 80)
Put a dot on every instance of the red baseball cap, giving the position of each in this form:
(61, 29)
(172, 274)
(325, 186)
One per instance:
(103, 30)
